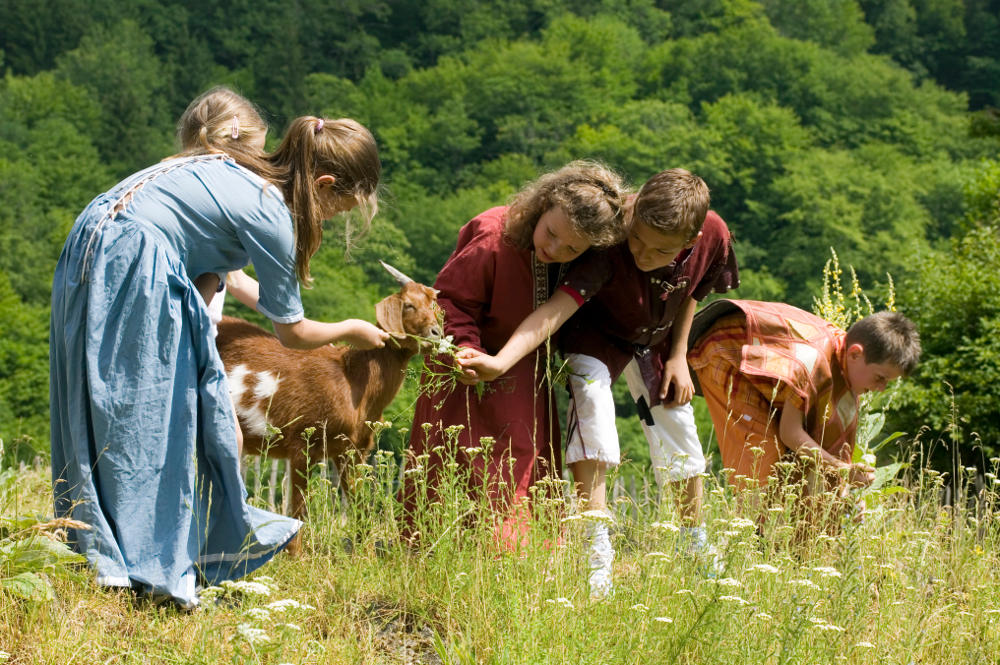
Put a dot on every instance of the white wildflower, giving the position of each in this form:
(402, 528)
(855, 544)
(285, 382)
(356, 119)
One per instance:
(864, 645)
(562, 602)
(473, 451)
(639, 607)
(284, 604)
(808, 584)
(684, 592)
(4, 656)
(730, 582)
(571, 518)
(743, 523)
(258, 613)
(828, 627)
(663, 619)
(763, 616)
(255, 588)
(413, 469)
(869, 459)
(827, 571)
(445, 344)
(292, 626)
(252, 634)
(735, 599)
(666, 526)
(765, 568)
(210, 593)
(597, 516)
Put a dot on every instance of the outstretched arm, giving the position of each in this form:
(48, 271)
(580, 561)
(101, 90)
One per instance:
(535, 329)
(793, 434)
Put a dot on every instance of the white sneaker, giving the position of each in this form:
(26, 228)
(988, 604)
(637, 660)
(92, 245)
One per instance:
(602, 559)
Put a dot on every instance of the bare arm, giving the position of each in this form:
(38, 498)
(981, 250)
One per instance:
(308, 334)
(675, 369)
(794, 436)
(244, 288)
(535, 329)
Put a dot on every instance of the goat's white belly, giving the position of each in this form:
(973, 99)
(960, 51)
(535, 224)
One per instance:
(261, 387)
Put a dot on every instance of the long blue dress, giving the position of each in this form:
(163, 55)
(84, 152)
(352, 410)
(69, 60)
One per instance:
(143, 433)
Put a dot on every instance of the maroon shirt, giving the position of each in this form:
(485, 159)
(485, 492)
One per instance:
(629, 313)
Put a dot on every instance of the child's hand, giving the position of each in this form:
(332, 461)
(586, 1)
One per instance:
(363, 335)
(861, 475)
(676, 371)
(483, 367)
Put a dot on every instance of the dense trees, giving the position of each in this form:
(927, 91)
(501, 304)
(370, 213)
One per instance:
(856, 124)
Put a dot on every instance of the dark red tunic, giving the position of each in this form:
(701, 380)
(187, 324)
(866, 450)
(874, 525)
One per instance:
(629, 313)
(487, 287)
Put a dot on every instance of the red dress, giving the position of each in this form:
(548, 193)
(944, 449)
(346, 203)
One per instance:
(487, 287)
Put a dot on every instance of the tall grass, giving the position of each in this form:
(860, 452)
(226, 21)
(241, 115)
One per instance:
(913, 582)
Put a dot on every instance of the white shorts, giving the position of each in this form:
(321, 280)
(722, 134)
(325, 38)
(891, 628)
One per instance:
(674, 448)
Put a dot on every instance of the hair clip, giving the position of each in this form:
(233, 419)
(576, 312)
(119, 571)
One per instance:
(319, 126)
(235, 133)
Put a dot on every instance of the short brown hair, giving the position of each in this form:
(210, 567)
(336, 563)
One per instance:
(674, 202)
(591, 194)
(887, 338)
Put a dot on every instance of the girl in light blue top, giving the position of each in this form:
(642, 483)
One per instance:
(143, 432)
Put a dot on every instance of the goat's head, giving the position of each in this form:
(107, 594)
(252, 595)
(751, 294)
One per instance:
(411, 311)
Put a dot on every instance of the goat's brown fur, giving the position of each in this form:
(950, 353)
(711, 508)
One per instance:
(334, 389)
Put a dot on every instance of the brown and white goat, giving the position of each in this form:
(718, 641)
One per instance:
(333, 389)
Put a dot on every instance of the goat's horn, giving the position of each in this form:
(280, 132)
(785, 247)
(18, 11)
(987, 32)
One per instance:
(400, 277)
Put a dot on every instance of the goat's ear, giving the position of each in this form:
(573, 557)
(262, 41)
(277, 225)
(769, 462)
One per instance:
(389, 315)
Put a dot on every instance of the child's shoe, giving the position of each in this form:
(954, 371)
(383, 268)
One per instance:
(693, 543)
(601, 561)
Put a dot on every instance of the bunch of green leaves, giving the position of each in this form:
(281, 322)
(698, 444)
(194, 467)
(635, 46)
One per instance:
(31, 549)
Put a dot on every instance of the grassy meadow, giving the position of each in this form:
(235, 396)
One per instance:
(911, 582)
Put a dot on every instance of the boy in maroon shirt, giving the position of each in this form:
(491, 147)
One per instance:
(636, 302)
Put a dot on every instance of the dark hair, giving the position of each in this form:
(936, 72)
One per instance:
(674, 202)
(887, 338)
(591, 194)
(313, 147)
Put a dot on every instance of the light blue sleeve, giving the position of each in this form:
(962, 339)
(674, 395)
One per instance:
(268, 236)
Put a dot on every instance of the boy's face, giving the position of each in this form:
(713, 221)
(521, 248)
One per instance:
(652, 249)
(863, 376)
(555, 240)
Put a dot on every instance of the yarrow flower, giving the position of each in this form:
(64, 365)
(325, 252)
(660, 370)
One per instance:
(729, 581)
(258, 613)
(288, 604)
(827, 571)
(562, 602)
(666, 526)
(864, 645)
(252, 634)
(639, 607)
(663, 619)
(764, 568)
(735, 599)
(255, 588)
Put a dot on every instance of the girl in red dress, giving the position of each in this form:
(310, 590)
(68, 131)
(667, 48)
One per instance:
(506, 263)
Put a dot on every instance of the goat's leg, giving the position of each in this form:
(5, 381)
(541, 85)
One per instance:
(298, 466)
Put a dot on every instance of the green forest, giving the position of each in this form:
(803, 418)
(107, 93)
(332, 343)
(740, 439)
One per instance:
(866, 127)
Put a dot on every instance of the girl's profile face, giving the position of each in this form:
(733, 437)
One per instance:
(555, 240)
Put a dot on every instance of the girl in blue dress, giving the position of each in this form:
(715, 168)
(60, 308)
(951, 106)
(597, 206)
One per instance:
(143, 431)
